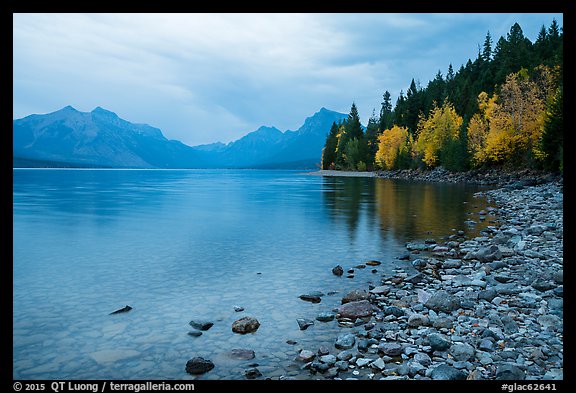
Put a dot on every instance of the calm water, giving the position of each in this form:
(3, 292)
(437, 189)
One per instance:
(185, 244)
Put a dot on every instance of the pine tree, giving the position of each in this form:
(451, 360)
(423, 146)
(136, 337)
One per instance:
(487, 49)
(353, 126)
(372, 133)
(386, 115)
(550, 148)
(329, 151)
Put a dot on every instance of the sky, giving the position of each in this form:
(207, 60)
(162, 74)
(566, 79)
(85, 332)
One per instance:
(203, 78)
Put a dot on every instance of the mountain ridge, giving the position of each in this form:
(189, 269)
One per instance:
(101, 138)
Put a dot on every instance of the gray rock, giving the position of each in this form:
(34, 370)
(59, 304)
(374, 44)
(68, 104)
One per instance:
(306, 356)
(337, 270)
(378, 364)
(325, 316)
(393, 310)
(355, 295)
(446, 372)
(558, 276)
(439, 342)
(198, 365)
(252, 373)
(304, 323)
(201, 324)
(487, 294)
(419, 263)
(423, 359)
(380, 290)
(416, 320)
(509, 372)
(363, 362)
(536, 229)
(542, 285)
(328, 359)
(238, 308)
(488, 254)
(195, 333)
(354, 310)
(344, 355)
(416, 246)
(452, 264)
(486, 345)
(345, 341)
(245, 325)
(549, 322)
(443, 301)
(391, 349)
(341, 365)
(310, 298)
(510, 326)
(415, 278)
(462, 352)
(242, 354)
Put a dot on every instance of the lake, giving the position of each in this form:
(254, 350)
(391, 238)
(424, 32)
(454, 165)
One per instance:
(178, 245)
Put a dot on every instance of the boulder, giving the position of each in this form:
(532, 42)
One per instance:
(198, 365)
(245, 325)
(353, 310)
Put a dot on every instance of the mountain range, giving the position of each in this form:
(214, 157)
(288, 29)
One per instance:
(100, 138)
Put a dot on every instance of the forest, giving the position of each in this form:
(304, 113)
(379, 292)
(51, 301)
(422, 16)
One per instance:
(504, 109)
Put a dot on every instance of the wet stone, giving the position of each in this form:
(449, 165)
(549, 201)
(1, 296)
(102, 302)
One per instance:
(325, 316)
(245, 325)
(252, 373)
(345, 341)
(198, 365)
(201, 324)
(241, 354)
(304, 323)
(337, 270)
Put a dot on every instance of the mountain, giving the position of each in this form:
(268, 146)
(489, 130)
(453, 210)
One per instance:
(268, 147)
(97, 138)
(70, 138)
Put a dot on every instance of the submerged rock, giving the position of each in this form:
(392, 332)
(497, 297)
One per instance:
(242, 354)
(201, 324)
(198, 365)
(310, 298)
(122, 310)
(304, 323)
(245, 325)
(337, 270)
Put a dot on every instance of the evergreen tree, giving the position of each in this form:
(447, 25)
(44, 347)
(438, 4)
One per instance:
(372, 133)
(400, 110)
(551, 143)
(386, 115)
(413, 107)
(487, 49)
(329, 151)
(353, 126)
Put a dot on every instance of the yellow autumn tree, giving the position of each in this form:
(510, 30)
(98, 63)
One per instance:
(478, 128)
(391, 144)
(515, 120)
(435, 132)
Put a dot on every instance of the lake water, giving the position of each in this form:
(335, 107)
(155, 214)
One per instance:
(178, 245)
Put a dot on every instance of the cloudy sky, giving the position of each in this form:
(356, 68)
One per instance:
(203, 78)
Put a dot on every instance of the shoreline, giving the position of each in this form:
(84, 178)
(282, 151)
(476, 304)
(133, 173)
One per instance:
(487, 308)
(517, 178)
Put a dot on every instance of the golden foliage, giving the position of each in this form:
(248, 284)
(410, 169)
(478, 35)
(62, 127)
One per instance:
(392, 143)
(442, 125)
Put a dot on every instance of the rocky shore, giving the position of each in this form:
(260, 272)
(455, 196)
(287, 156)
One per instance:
(485, 308)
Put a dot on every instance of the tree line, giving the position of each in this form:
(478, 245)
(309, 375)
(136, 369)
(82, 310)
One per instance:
(503, 109)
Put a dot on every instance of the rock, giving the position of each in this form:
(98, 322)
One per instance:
(439, 342)
(245, 325)
(323, 350)
(355, 295)
(325, 316)
(423, 359)
(373, 263)
(291, 342)
(310, 298)
(345, 341)
(558, 276)
(475, 375)
(488, 254)
(122, 310)
(330, 360)
(391, 349)
(462, 352)
(198, 365)
(542, 285)
(536, 229)
(238, 308)
(337, 270)
(486, 345)
(502, 278)
(446, 372)
(509, 372)
(416, 246)
(487, 294)
(341, 365)
(443, 301)
(415, 278)
(242, 354)
(195, 333)
(380, 290)
(378, 364)
(306, 356)
(353, 310)
(201, 324)
(549, 322)
(416, 320)
(404, 257)
(304, 323)
(363, 362)
(419, 263)
(252, 373)
(423, 296)
(443, 323)
(393, 310)
(344, 355)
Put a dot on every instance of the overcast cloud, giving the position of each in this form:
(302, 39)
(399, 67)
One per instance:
(203, 78)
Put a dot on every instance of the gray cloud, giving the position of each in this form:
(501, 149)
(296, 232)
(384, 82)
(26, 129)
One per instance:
(214, 77)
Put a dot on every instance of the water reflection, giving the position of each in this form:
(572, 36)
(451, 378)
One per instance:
(404, 210)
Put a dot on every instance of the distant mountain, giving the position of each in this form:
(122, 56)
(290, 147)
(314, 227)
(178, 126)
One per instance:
(268, 147)
(100, 138)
